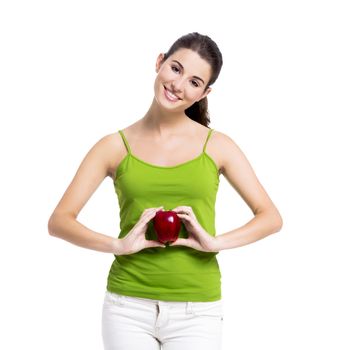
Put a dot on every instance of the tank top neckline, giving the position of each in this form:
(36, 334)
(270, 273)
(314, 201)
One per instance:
(203, 153)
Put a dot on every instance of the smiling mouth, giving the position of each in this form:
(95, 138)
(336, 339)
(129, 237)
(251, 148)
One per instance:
(170, 96)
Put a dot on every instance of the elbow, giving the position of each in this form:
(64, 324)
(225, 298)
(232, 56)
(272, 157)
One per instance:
(278, 227)
(278, 223)
(274, 219)
(56, 221)
(50, 225)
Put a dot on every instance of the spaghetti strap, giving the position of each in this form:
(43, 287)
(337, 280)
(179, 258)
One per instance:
(206, 141)
(125, 141)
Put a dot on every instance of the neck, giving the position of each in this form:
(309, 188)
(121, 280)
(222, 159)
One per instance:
(163, 123)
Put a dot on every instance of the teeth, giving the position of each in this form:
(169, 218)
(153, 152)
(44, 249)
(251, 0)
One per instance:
(171, 95)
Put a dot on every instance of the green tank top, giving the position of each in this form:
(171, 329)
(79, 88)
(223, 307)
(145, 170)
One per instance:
(175, 273)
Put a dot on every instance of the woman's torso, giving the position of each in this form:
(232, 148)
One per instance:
(150, 173)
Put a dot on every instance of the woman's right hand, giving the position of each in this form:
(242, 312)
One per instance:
(135, 240)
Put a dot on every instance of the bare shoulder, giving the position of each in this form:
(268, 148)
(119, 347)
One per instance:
(222, 137)
(233, 161)
(116, 151)
(108, 148)
(222, 147)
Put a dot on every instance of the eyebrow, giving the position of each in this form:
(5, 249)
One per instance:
(183, 68)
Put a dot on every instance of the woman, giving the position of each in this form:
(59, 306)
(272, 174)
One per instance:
(170, 159)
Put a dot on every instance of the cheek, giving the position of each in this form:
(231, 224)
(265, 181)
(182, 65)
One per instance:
(194, 95)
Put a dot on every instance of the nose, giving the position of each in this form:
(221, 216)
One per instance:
(177, 85)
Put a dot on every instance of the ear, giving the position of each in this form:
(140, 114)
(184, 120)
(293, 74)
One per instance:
(205, 93)
(160, 60)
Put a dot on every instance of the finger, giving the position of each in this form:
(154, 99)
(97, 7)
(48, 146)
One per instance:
(183, 207)
(149, 216)
(183, 210)
(184, 216)
(181, 241)
(179, 208)
(146, 219)
(151, 211)
(154, 244)
(157, 209)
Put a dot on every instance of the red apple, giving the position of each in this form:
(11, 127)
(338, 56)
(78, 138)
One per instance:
(167, 226)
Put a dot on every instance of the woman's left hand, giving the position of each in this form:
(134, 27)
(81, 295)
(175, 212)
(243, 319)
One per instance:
(198, 238)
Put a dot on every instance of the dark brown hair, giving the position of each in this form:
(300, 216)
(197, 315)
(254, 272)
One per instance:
(209, 51)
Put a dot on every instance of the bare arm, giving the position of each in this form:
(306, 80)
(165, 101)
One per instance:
(92, 171)
(239, 173)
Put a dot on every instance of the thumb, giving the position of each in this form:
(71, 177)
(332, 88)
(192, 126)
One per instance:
(154, 244)
(180, 241)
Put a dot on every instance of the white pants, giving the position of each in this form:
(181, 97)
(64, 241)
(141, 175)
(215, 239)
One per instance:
(130, 323)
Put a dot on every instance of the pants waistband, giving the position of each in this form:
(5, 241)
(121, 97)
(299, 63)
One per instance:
(187, 305)
(120, 299)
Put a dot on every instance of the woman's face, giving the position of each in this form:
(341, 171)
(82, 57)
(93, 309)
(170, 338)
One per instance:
(181, 79)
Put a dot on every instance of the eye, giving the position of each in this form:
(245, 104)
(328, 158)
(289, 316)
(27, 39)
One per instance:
(174, 67)
(196, 84)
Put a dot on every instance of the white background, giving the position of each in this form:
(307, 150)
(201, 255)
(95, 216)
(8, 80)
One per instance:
(74, 71)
